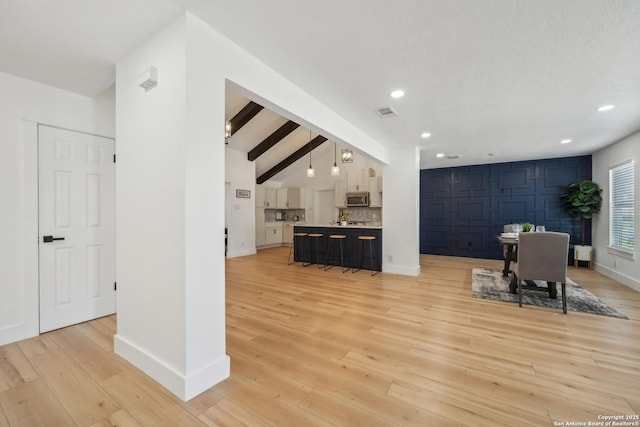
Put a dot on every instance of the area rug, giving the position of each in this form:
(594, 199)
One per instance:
(490, 284)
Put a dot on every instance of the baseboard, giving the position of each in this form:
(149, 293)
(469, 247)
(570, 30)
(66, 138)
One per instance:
(625, 280)
(405, 270)
(183, 386)
(13, 333)
(274, 245)
(243, 252)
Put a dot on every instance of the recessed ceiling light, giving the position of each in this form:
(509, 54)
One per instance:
(425, 135)
(606, 107)
(493, 154)
(398, 93)
(440, 155)
(566, 141)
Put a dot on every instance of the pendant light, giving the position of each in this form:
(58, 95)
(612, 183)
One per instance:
(310, 172)
(227, 131)
(347, 156)
(335, 170)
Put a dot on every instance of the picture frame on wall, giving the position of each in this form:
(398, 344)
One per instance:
(243, 194)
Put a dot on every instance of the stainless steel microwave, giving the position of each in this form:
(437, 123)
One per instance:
(360, 198)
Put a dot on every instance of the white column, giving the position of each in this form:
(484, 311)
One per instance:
(170, 231)
(400, 212)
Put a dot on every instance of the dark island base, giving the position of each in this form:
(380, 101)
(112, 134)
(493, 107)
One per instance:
(352, 246)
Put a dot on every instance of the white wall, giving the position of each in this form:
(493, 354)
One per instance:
(24, 103)
(240, 173)
(400, 212)
(171, 192)
(620, 267)
(170, 216)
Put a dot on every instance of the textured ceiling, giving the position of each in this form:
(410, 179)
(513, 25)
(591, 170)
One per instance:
(509, 77)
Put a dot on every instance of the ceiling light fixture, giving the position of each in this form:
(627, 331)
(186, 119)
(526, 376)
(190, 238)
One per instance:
(335, 170)
(227, 131)
(566, 141)
(398, 93)
(440, 155)
(606, 107)
(310, 172)
(347, 156)
(425, 135)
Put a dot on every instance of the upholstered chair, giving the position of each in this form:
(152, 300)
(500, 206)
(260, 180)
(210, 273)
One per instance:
(542, 256)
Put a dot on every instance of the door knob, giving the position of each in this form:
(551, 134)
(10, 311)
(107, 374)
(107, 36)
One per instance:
(49, 239)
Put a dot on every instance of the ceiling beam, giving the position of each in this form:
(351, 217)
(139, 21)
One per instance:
(298, 154)
(272, 140)
(247, 113)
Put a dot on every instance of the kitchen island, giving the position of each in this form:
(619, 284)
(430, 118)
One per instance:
(352, 245)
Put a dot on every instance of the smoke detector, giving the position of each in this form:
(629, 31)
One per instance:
(385, 112)
(452, 156)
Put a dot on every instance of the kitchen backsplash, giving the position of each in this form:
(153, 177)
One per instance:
(363, 214)
(287, 214)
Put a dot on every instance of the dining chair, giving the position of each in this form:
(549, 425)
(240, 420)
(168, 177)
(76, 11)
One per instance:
(508, 228)
(542, 256)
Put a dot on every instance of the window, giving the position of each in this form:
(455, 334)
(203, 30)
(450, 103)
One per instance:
(622, 214)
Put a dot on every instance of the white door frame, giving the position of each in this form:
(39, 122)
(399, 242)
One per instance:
(39, 126)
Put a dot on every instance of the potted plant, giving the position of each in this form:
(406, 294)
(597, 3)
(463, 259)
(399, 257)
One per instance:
(343, 218)
(584, 200)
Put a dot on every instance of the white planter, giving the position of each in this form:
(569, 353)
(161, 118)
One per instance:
(582, 253)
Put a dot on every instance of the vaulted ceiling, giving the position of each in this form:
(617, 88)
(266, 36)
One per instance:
(270, 140)
(491, 80)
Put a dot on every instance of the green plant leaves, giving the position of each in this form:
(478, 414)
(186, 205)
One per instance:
(583, 199)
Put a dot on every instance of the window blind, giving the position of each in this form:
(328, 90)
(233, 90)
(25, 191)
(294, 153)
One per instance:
(622, 215)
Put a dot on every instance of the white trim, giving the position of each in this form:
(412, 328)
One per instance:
(243, 252)
(405, 270)
(630, 282)
(182, 385)
(621, 253)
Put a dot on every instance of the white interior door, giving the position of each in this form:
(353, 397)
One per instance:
(76, 226)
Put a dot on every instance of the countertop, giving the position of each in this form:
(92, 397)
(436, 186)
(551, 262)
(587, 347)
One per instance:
(335, 225)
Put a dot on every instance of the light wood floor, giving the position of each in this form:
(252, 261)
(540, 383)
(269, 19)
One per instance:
(310, 347)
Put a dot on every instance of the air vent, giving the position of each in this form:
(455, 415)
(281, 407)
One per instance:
(386, 112)
(452, 156)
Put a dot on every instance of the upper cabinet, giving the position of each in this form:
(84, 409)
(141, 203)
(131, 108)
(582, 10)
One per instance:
(265, 197)
(296, 198)
(375, 192)
(282, 198)
(271, 198)
(358, 180)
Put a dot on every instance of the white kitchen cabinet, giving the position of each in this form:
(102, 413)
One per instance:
(358, 180)
(265, 197)
(270, 197)
(260, 227)
(340, 194)
(296, 198)
(282, 198)
(287, 233)
(375, 192)
(259, 195)
(273, 233)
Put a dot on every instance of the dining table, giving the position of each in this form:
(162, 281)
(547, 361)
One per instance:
(510, 242)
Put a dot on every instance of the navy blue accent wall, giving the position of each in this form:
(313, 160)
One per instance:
(463, 209)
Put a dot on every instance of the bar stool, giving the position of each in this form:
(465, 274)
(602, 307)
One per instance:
(363, 247)
(333, 240)
(300, 239)
(315, 237)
